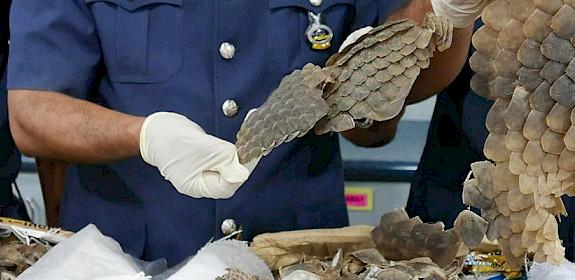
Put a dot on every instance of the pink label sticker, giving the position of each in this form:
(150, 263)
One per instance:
(357, 200)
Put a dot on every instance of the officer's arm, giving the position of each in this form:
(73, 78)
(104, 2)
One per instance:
(444, 69)
(55, 126)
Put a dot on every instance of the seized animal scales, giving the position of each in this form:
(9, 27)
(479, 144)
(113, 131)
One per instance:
(524, 60)
(399, 237)
(398, 248)
(369, 79)
(15, 257)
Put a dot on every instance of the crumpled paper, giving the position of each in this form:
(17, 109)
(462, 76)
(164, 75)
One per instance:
(283, 249)
(87, 255)
(212, 261)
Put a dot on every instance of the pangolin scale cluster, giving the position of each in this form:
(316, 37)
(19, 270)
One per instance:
(398, 248)
(525, 62)
(369, 79)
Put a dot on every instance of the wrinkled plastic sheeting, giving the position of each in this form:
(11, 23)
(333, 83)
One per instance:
(547, 271)
(89, 255)
(212, 261)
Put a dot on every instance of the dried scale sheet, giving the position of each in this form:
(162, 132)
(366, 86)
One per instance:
(289, 112)
(400, 248)
(399, 237)
(524, 61)
(369, 79)
(379, 83)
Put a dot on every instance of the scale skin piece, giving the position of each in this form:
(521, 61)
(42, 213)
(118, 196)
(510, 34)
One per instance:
(290, 112)
(399, 237)
(471, 228)
(369, 79)
(525, 60)
(426, 251)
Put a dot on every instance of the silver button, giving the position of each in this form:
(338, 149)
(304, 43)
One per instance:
(316, 3)
(228, 226)
(230, 108)
(227, 50)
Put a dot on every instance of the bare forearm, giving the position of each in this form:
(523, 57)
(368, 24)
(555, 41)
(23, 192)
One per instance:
(379, 134)
(51, 125)
(444, 68)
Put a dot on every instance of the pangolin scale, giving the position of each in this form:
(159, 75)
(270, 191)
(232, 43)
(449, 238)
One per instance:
(525, 62)
(369, 79)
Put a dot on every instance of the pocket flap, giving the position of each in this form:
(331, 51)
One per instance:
(132, 5)
(306, 4)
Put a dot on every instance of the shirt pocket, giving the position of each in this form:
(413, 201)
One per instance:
(141, 40)
(288, 20)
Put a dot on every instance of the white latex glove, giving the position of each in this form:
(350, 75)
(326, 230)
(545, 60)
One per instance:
(354, 36)
(197, 164)
(461, 13)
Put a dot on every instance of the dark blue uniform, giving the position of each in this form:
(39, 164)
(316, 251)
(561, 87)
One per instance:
(455, 139)
(144, 56)
(10, 161)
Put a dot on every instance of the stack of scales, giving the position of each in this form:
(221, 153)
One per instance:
(369, 79)
(399, 248)
(524, 61)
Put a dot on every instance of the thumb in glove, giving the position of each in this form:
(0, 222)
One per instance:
(461, 13)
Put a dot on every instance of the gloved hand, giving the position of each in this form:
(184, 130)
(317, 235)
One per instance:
(197, 164)
(354, 36)
(461, 13)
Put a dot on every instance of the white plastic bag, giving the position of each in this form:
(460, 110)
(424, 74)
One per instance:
(212, 261)
(87, 255)
(546, 271)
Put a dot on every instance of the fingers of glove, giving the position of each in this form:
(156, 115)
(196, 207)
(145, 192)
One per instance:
(155, 129)
(179, 173)
(354, 36)
(464, 6)
(231, 169)
(461, 13)
(169, 139)
(190, 187)
(208, 184)
(225, 180)
(190, 180)
(213, 185)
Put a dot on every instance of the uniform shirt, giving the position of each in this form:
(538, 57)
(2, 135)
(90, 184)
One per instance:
(144, 56)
